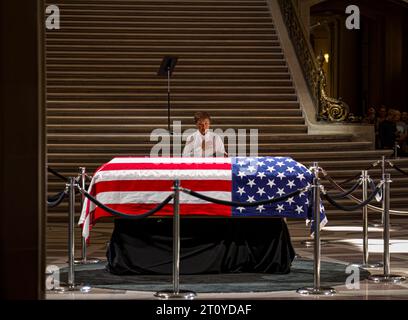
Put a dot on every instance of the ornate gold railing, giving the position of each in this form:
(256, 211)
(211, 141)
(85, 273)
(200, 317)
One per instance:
(327, 108)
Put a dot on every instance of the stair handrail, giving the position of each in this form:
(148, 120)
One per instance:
(327, 108)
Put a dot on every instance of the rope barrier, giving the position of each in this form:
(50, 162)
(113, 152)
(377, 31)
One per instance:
(369, 206)
(373, 165)
(397, 168)
(356, 207)
(372, 187)
(240, 204)
(345, 194)
(55, 173)
(125, 215)
(55, 200)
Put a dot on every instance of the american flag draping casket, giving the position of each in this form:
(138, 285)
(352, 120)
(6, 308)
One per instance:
(134, 185)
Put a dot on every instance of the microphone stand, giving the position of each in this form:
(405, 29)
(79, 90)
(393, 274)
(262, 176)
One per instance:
(166, 69)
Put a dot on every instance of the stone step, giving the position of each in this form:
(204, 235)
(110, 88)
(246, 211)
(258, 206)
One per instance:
(166, 7)
(184, 76)
(143, 98)
(174, 112)
(158, 82)
(116, 59)
(136, 13)
(175, 91)
(191, 10)
(334, 166)
(145, 138)
(106, 36)
(133, 50)
(91, 40)
(170, 29)
(146, 63)
(141, 128)
(160, 3)
(198, 105)
(147, 23)
(191, 59)
(333, 156)
(395, 202)
(143, 46)
(177, 108)
(166, 16)
(181, 69)
(126, 148)
(275, 53)
(160, 120)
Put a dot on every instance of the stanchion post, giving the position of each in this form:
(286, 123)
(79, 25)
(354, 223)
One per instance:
(176, 239)
(316, 210)
(316, 289)
(84, 259)
(70, 285)
(176, 293)
(387, 277)
(312, 243)
(382, 177)
(71, 237)
(365, 178)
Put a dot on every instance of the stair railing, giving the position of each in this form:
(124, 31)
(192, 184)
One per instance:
(327, 108)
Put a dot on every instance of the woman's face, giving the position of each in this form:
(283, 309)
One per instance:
(383, 112)
(203, 125)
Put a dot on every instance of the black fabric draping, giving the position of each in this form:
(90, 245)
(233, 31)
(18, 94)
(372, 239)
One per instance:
(208, 245)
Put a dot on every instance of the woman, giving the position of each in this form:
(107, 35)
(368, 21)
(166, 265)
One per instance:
(204, 143)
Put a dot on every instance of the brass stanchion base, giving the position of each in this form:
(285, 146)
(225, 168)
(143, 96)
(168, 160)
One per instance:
(381, 226)
(368, 265)
(390, 278)
(83, 261)
(64, 288)
(376, 225)
(310, 243)
(182, 294)
(322, 291)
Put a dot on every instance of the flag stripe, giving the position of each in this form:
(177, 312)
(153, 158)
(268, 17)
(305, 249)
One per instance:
(162, 185)
(170, 160)
(167, 166)
(123, 175)
(148, 197)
